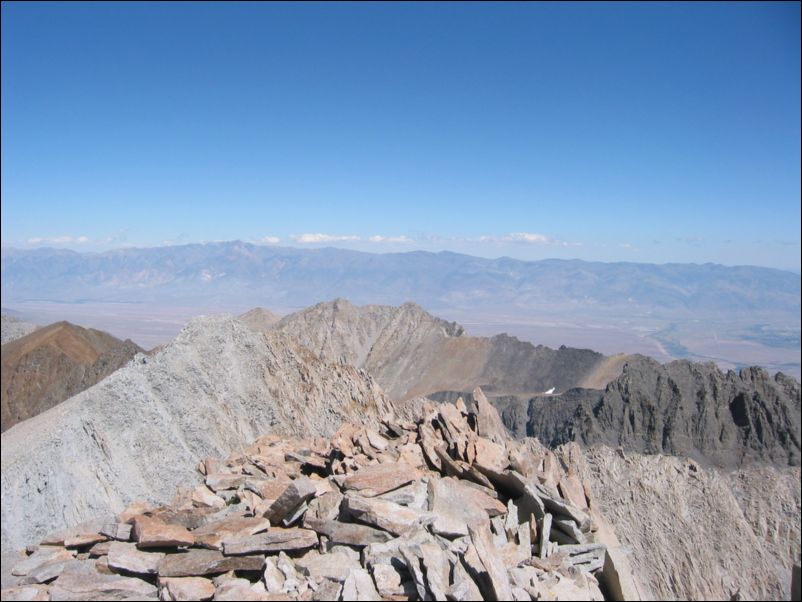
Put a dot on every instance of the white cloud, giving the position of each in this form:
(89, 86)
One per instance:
(58, 240)
(268, 240)
(528, 237)
(390, 239)
(318, 237)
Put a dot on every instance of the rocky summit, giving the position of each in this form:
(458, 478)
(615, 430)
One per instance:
(446, 507)
(412, 353)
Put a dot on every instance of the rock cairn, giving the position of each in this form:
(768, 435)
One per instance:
(446, 507)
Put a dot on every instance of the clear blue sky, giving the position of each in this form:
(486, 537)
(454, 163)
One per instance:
(640, 132)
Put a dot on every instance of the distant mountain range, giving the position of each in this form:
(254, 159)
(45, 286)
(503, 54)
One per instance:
(291, 277)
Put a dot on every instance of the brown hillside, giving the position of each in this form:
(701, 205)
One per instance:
(54, 363)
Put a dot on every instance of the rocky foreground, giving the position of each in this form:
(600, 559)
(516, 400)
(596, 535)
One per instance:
(443, 507)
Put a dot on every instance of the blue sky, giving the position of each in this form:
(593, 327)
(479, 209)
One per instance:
(639, 132)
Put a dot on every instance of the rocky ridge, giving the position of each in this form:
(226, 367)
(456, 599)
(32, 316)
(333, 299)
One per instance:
(680, 408)
(53, 363)
(412, 353)
(448, 507)
(137, 433)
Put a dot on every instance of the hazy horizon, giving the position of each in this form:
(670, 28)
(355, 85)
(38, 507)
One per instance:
(324, 246)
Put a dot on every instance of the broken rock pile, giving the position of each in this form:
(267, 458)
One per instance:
(446, 507)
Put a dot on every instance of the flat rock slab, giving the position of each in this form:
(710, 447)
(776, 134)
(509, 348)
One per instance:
(26, 592)
(188, 588)
(350, 534)
(224, 481)
(80, 540)
(275, 540)
(41, 556)
(383, 514)
(152, 533)
(47, 571)
(126, 557)
(81, 581)
(211, 536)
(206, 562)
(380, 478)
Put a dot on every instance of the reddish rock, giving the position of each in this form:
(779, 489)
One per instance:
(152, 533)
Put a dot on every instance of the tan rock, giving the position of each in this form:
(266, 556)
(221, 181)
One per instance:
(572, 490)
(211, 536)
(100, 549)
(463, 586)
(482, 540)
(126, 557)
(47, 571)
(488, 422)
(276, 539)
(196, 562)
(222, 481)
(80, 581)
(359, 585)
(374, 480)
(80, 540)
(272, 577)
(203, 497)
(437, 569)
(391, 582)
(383, 514)
(412, 455)
(242, 589)
(295, 494)
(453, 507)
(187, 588)
(26, 592)
(41, 556)
(325, 507)
(152, 533)
(132, 510)
(334, 565)
(490, 456)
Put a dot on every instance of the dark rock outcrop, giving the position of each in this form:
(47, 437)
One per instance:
(680, 408)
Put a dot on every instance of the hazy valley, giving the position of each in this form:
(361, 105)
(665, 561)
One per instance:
(735, 316)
